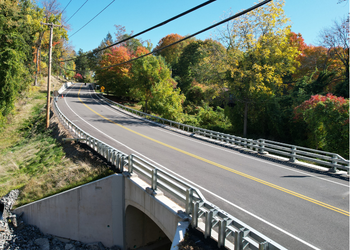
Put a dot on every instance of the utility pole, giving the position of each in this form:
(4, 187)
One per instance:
(51, 25)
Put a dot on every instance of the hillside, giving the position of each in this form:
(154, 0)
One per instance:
(36, 161)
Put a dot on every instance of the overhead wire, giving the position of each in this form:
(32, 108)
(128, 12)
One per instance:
(190, 36)
(77, 10)
(197, 33)
(149, 29)
(93, 18)
(66, 7)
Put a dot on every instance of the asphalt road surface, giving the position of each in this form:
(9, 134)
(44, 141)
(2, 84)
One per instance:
(297, 208)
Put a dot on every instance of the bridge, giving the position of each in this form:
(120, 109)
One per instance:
(297, 207)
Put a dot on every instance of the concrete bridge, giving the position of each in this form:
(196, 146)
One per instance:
(117, 210)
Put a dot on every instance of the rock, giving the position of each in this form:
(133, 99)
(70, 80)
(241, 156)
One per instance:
(95, 246)
(43, 243)
(69, 247)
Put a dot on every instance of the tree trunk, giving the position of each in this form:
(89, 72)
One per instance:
(37, 64)
(146, 106)
(245, 119)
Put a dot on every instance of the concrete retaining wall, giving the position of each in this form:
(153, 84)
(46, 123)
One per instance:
(89, 213)
(97, 212)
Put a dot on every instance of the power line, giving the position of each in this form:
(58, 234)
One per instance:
(197, 33)
(77, 10)
(93, 18)
(66, 7)
(149, 29)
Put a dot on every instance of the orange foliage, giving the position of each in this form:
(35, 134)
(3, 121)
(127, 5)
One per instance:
(172, 53)
(141, 51)
(117, 55)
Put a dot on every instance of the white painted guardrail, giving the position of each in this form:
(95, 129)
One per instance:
(64, 87)
(330, 160)
(228, 228)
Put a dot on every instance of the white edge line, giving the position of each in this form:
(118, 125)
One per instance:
(110, 107)
(232, 204)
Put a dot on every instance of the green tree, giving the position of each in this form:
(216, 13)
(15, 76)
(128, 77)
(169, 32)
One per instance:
(327, 119)
(82, 64)
(16, 54)
(153, 85)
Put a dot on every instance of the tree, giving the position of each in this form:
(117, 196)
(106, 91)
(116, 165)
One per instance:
(172, 53)
(16, 56)
(336, 40)
(327, 119)
(132, 44)
(153, 85)
(82, 64)
(115, 79)
(50, 13)
(258, 55)
(182, 72)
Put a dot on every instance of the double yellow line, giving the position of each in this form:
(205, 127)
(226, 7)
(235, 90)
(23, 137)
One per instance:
(322, 204)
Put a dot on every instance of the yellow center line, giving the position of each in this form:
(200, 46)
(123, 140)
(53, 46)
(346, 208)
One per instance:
(341, 211)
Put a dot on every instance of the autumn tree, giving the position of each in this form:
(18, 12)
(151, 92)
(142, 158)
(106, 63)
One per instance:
(132, 44)
(327, 119)
(50, 13)
(67, 68)
(172, 53)
(259, 56)
(115, 79)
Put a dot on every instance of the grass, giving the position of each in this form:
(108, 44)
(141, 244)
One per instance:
(35, 161)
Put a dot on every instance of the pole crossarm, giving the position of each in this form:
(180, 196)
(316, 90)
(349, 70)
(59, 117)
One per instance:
(52, 24)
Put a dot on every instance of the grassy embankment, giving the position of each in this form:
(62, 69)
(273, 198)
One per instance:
(35, 160)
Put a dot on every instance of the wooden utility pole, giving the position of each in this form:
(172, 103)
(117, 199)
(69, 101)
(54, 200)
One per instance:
(51, 25)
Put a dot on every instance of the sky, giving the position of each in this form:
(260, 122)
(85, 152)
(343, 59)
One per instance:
(308, 17)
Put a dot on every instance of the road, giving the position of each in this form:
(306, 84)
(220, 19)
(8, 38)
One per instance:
(298, 209)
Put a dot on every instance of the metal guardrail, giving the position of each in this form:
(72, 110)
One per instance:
(196, 206)
(331, 160)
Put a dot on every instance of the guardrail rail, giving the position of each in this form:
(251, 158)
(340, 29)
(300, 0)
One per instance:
(198, 209)
(327, 159)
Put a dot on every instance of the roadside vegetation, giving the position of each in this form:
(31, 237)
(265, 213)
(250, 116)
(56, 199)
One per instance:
(35, 160)
(254, 78)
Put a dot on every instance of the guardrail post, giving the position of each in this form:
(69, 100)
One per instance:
(118, 161)
(122, 163)
(262, 146)
(239, 240)
(222, 233)
(195, 211)
(208, 223)
(263, 245)
(334, 163)
(154, 178)
(189, 200)
(293, 154)
(131, 163)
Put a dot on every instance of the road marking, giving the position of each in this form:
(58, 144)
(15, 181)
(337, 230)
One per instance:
(320, 203)
(189, 181)
(208, 145)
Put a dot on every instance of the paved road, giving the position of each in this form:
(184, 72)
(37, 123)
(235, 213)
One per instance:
(298, 209)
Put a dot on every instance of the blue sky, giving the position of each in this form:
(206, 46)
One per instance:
(308, 17)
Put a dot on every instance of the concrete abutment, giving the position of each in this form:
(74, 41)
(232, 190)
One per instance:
(115, 210)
